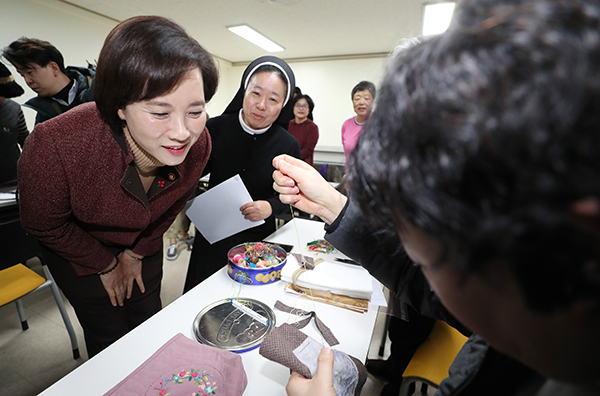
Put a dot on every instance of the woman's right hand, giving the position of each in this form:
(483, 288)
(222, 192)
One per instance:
(119, 282)
(115, 284)
(301, 185)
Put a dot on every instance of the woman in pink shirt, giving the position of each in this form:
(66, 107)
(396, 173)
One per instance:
(363, 95)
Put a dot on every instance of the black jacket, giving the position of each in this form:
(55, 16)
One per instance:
(48, 108)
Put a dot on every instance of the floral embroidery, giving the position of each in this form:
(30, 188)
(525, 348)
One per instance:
(202, 380)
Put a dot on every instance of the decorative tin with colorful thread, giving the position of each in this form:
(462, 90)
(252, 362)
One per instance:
(243, 271)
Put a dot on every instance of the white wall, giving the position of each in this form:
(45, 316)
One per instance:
(79, 35)
(329, 83)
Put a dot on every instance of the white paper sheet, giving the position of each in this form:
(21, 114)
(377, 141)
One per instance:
(216, 213)
(7, 196)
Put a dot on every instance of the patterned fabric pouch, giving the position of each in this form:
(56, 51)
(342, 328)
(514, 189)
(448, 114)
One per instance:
(292, 348)
(186, 367)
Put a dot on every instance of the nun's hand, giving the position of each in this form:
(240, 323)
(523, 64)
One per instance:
(257, 210)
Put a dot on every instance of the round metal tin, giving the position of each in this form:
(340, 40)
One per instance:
(255, 276)
(223, 325)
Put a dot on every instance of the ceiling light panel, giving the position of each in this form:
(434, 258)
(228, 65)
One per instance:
(247, 33)
(437, 17)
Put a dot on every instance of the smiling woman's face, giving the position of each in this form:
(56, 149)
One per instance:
(362, 101)
(263, 100)
(167, 126)
(301, 109)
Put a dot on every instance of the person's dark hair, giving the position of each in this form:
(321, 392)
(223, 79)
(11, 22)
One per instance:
(145, 57)
(297, 91)
(311, 104)
(485, 136)
(23, 52)
(364, 86)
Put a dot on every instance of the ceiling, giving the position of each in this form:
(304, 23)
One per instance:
(307, 29)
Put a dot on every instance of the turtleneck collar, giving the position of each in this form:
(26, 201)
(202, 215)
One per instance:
(145, 163)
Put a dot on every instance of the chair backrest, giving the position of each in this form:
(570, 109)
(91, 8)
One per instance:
(433, 358)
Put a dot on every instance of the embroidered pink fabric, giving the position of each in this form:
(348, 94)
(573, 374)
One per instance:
(186, 367)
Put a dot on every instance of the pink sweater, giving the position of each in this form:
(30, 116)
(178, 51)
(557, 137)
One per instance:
(350, 133)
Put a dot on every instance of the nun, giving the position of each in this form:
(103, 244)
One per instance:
(245, 139)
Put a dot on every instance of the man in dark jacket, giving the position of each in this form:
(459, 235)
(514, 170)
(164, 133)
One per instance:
(42, 66)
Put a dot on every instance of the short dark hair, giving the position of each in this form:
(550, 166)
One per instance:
(364, 86)
(23, 52)
(485, 135)
(311, 104)
(145, 57)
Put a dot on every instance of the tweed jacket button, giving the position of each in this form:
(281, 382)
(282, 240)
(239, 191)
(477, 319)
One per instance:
(171, 176)
(128, 182)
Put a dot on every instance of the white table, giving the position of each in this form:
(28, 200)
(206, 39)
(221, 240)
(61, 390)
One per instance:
(105, 370)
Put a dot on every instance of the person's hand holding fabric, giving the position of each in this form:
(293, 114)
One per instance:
(322, 382)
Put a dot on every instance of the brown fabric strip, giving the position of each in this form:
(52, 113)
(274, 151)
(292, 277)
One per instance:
(325, 331)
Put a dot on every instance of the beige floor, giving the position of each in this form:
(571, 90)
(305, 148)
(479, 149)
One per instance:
(32, 360)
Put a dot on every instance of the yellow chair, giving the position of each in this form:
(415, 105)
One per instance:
(18, 281)
(433, 358)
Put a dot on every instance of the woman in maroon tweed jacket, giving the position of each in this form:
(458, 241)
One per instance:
(100, 184)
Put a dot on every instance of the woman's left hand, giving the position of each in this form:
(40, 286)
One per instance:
(257, 210)
(132, 270)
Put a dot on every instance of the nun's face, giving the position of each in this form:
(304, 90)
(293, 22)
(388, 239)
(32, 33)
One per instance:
(263, 100)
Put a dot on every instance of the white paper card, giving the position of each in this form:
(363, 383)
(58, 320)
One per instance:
(7, 197)
(216, 213)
